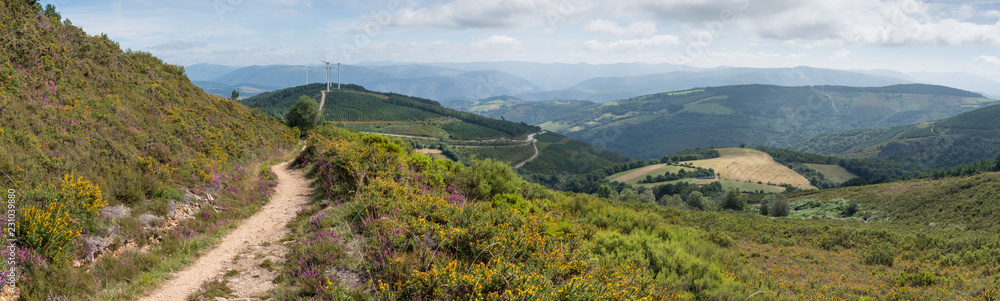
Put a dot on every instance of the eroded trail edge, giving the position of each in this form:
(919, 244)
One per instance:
(268, 225)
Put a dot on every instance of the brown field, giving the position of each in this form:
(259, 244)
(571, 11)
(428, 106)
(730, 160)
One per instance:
(629, 175)
(736, 166)
(752, 165)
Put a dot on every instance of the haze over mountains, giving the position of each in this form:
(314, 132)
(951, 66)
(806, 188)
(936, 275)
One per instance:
(448, 82)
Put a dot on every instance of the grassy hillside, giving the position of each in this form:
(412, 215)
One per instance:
(963, 138)
(438, 230)
(964, 203)
(648, 126)
(358, 108)
(103, 148)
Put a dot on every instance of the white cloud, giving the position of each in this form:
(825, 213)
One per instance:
(475, 14)
(638, 28)
(840, 55)
(989, 59)
(496, 40)
(634, 44)
(180, 45)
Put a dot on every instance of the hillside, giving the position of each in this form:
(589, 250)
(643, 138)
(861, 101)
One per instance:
(965, 203)
(963, 138)
(358, 108)
(649, 126)
(440, 231)
(102, 149)
(460, 135)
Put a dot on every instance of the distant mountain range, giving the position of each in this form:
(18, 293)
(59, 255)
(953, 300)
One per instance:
(448, 82)
(654, 125)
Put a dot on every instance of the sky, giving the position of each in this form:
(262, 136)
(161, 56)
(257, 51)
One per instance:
(902, 35)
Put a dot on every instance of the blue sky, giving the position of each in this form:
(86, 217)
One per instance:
(903, 35)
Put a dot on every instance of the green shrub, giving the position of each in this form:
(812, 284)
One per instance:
(487, 178)
(719, 238)
(514, 201)
(919, 278)
(879, 254)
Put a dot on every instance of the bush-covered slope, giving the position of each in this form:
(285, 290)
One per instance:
(963, 138)
(356, 107)
(426, 229)
(83, 125)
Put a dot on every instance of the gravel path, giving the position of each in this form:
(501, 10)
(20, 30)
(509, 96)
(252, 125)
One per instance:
(268, 225)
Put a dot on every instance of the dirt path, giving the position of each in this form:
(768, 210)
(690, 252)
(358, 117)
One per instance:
(533, 144)
(268, 225)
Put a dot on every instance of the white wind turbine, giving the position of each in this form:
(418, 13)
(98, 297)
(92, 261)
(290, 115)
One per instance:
(307, 74)
(328, 75)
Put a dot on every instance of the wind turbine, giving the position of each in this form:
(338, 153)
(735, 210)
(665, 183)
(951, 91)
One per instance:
(338, 74)
(307, 74)
(328, 74)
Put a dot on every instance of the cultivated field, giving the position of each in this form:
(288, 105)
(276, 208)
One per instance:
(740, 168)
(833, 173)
(752, 165)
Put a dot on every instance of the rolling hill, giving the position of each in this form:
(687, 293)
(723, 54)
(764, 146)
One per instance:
(430, 126)
(604, 89)
(418, 80)
(649, 126)
(963, 138)
(358, 108)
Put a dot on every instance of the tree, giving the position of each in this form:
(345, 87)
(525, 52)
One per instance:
(779, 206)
(303, 114)
(50, 11)
(235, 95)
(743, 145)
(997, 168)
(851, 208)
(734, 200)
(604, 191)
(696, 200)
(765, 203)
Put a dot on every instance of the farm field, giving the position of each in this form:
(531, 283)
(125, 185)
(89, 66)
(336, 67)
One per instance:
(634, 176)
(752, 165)
(833, 173)
(742, 168)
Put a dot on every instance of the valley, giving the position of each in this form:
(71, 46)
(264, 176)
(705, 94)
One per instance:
(130, 178)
